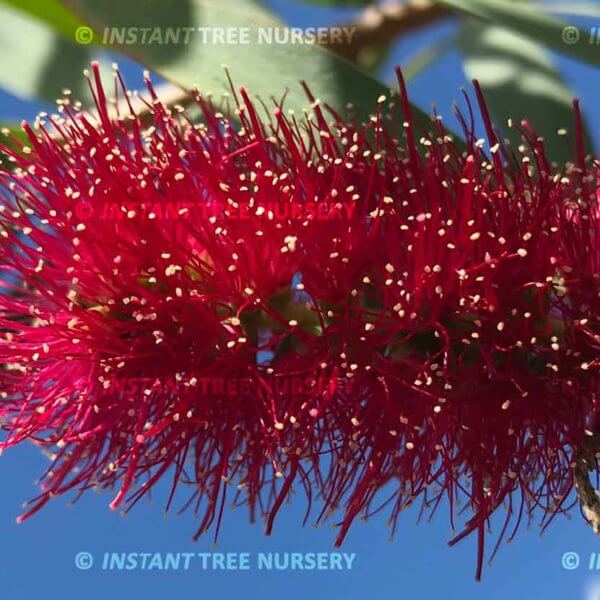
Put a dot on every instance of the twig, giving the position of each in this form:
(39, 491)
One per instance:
(379, 25)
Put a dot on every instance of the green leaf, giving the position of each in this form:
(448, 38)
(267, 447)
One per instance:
(372, 58)
(519, 81)
(37, 62)
(50, 12)
(265, 69)
(582, 9)
(8, 133)
(530, 21)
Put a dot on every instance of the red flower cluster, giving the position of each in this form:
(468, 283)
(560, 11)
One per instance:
(440, 304)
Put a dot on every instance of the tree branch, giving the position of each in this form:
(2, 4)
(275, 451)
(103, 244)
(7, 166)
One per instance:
(380, 25)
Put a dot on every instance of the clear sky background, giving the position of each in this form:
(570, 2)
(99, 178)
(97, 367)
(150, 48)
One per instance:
(37, 559)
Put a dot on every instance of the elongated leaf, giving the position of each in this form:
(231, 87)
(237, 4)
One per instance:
(372, 58)
(264, 68)
(530, 21)
(11, 130)
(51, 12)
(519, 81)
(582, 9)
(37, 62)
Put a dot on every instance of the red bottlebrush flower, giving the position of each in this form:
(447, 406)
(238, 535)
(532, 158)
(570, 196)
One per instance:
(257, 302)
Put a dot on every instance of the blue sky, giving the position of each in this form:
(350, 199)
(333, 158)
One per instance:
(37, 559)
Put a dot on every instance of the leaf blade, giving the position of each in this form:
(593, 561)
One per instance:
(47, 62)
(529, 21)
(50, 12)
(519, 82)
(264, 68)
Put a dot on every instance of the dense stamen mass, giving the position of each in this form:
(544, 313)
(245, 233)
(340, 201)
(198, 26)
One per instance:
(261, 302)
